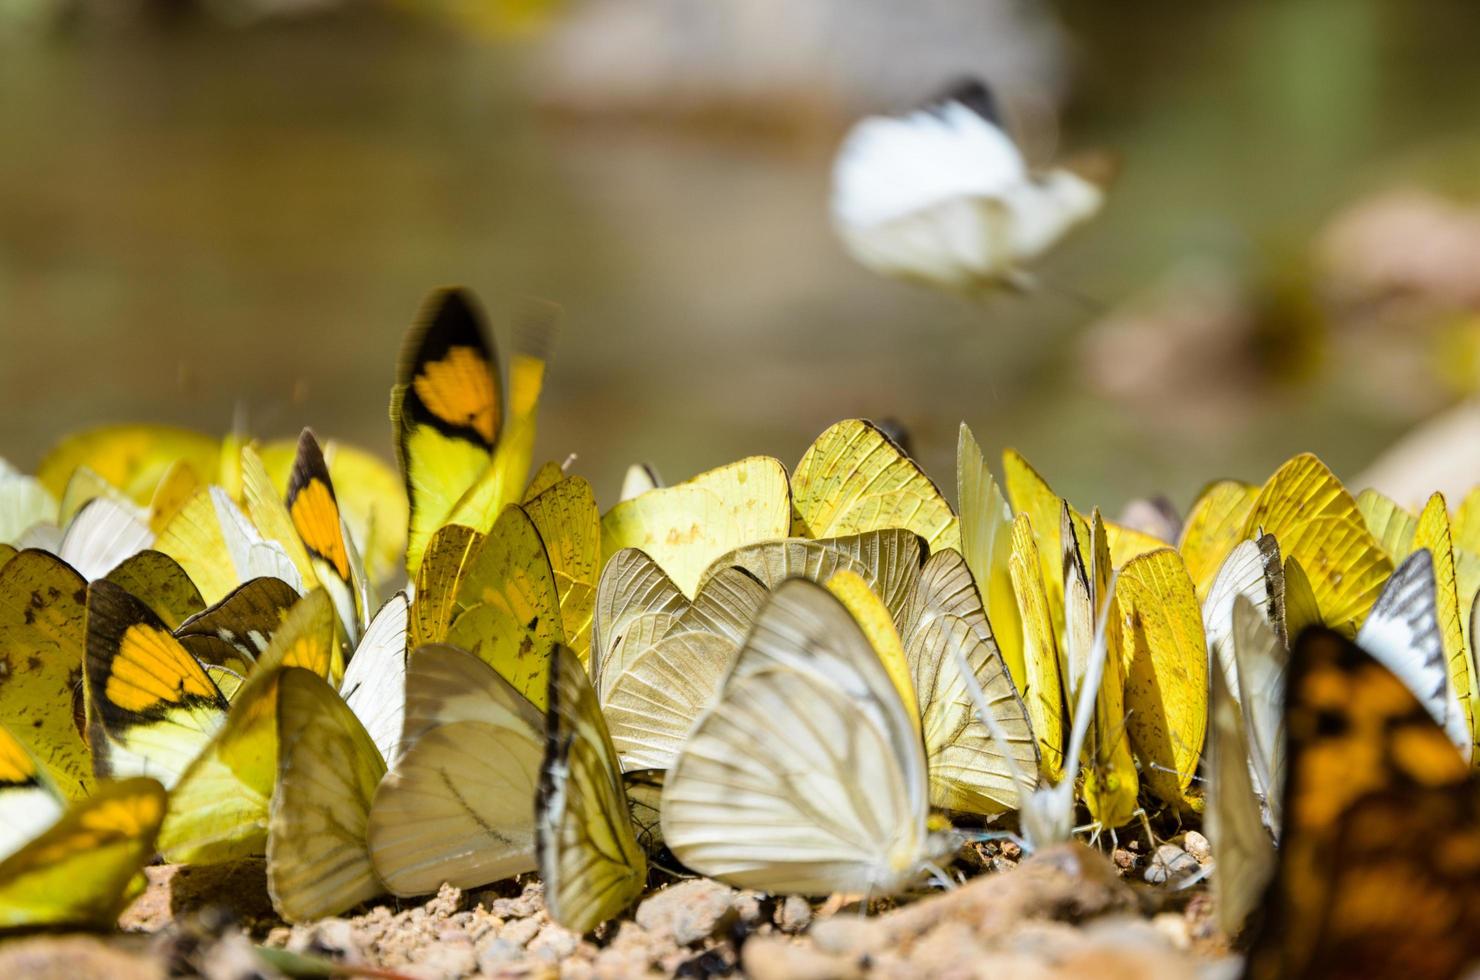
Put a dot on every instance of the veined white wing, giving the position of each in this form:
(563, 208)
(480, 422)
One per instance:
(1253, 570)
(374, 684)
(1242, 848)
(1260, 660)
(459, 804)
(766, 793)
(1402, 633)
(101, 536)
(252, 554)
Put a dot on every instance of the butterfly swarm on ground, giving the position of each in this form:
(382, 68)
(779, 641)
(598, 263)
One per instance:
(817, 680)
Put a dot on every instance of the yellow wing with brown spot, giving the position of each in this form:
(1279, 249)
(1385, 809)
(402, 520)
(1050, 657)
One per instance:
(1214, 527)
(507, 607)
(160, 582)
(1379, 867)
(80, 871)
(854, 478)
(446, 409)
(42, 635)
(687, 526)
(569, 524)
(151, 706)
(434, 607)
(1317, 522)
(1165, 661)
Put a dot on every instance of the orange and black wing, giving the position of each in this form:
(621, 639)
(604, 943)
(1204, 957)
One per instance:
(1379, 871)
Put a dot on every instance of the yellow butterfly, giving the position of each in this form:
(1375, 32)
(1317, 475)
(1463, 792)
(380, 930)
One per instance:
(83, 866)
(42, 636)
(686, 526)
(853, 478)
(219, 805)
(447, 409)
(1165, 663)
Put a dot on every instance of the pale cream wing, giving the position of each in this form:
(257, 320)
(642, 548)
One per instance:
(1260, 659)
(630, 585)
(889, 561)
(459, 804)
(968, 770)
(1254, 570)
(660, 693)
(726, 604)
(318, 862)
(766, 793)
(1242, 848)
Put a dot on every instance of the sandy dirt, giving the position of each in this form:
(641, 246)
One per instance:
(1064, 912)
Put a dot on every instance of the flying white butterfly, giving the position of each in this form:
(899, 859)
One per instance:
(943, 196)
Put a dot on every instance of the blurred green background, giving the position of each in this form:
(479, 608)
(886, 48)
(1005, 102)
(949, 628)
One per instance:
(233, 210)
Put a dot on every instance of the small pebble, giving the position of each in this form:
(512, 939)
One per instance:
(1124, 860)
(1197, 845)
(1173, 926)
(795, 914)
(1170, 864)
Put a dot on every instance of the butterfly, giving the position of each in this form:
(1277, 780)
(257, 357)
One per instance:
(854, 478)
(684, 527)
(70, 864)
(943, 196)
(464, 452)
(765, 793)
(1379, 863)
(458, 803)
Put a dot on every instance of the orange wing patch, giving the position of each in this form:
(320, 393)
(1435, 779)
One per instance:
(316, 517)
(460, 391)
(152, 668)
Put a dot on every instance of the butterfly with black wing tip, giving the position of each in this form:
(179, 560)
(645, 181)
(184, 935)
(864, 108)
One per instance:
(943, 196)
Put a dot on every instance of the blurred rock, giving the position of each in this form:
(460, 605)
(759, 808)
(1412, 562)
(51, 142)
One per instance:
(688, 911)
(68, 957)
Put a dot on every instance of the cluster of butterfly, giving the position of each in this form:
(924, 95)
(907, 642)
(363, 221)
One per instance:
(779, 680)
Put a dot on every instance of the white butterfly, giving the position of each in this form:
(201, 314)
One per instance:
(767, 791)
(944, 196)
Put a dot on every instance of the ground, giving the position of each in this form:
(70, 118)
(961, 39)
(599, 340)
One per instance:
(1064, 912)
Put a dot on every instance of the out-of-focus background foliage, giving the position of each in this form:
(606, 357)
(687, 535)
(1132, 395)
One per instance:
(230, 209)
